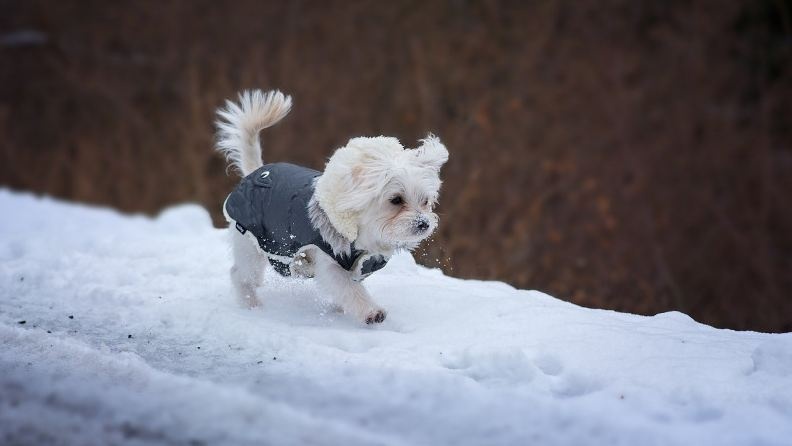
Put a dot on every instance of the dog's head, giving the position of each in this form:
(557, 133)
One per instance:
(379, 194)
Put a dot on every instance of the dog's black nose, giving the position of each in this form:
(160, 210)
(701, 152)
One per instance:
(421, 226)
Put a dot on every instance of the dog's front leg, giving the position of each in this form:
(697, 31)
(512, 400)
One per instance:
(349, 294)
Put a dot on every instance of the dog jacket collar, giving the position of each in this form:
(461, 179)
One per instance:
(272, 204)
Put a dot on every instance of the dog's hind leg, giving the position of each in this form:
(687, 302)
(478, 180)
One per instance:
(248, 270)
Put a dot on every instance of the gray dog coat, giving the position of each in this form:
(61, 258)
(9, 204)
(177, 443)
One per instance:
(272, 204)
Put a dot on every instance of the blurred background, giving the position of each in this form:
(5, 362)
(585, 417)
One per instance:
(629, 155)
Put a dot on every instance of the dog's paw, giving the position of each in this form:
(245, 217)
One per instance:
(250, 301)
(376, 317)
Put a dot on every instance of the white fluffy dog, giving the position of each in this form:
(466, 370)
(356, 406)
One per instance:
(373, 198)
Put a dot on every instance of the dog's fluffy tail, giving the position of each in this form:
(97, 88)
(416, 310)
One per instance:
(239, 124)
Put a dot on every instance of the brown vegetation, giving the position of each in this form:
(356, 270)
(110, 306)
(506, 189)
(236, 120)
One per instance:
(620, 154)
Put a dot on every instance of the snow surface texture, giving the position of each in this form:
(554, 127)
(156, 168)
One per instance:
(131, 336)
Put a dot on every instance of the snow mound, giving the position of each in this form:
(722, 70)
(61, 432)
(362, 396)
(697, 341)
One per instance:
(122, 329)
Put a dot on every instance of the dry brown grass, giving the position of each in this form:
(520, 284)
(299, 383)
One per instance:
(620, 154)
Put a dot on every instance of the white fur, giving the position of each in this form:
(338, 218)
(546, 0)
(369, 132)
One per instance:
(247, 272)
(352, 202)
(321, 222)
(238, 126)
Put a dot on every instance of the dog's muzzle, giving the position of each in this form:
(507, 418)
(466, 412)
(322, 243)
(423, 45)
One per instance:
(420, 225)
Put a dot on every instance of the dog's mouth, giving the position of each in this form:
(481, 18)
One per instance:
(406, 246)
(405, 235)
(410, 241)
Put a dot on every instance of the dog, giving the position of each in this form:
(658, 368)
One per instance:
(373, 198)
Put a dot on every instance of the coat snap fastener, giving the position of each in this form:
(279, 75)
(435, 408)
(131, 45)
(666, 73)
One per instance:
(265, 174)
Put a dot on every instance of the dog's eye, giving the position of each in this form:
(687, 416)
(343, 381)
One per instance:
(426, 202)
(397, 200)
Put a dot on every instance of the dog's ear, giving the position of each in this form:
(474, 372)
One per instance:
(431, 152)
(368, 168)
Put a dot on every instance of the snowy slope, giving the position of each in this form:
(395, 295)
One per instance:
(131, 336)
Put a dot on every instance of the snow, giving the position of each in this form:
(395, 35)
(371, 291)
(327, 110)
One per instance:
(131, 336)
